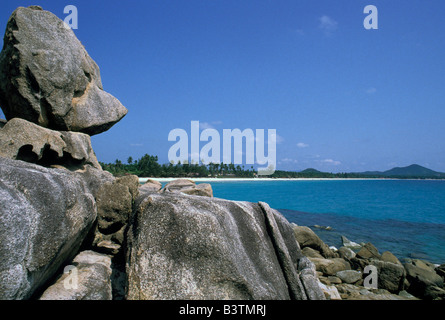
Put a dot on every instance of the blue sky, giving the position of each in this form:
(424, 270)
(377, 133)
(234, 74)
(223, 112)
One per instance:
(341, 98)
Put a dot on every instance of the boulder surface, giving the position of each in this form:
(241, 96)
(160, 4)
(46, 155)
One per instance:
(45, 214)
(23, 140)
(190, 247)
(48, 78)
(88, 277)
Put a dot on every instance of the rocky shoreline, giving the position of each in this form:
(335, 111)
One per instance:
(342, 271)
(71, 231)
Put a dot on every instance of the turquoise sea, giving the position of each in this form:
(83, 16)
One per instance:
(406, 217)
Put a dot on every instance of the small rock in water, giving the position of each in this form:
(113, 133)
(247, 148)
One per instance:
(328, 228)
(349, 244)
(419, 255)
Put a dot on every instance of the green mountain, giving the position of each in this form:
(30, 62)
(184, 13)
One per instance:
(413, 170)
(311, 170)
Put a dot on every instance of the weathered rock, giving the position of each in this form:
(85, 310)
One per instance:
(358, 263)
(45, 215)
(23, 140)
(407, 295)
(114, 206)
(440, 270)
(202, 189)
(307, 238)
(421, 275)
(327, 228)
(330, 267)
(351, 292)
(88, 277)
(94, 178)
(391, 276)
(289, 255)
(150, 186)
(334, 280)
(309, 279)
(48, 78)
(309, 252)
(178, 184)
(108, 247)
(368, 251)
(189, 187)
(322, 278)
(346, 253)
(189, 247)
(330, 292)
(389, 257)
(349, 276)
(434, 293)
(350, 244)
(131, 181)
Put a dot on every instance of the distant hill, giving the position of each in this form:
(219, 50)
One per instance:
(311, 170)
(413, 170)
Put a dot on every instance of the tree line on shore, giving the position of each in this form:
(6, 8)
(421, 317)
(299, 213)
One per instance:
(148, 166)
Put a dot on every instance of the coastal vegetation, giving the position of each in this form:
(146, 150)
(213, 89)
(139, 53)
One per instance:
(148, 166)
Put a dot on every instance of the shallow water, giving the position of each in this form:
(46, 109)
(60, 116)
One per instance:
(406, 217)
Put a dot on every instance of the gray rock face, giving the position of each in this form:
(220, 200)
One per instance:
(44, 216)
(114, 207)
(287, 251)
(48, 78)
(23, 140)
(89, 278)
(309, 280)
(190, 247)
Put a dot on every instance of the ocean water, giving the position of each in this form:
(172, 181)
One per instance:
(406, 217)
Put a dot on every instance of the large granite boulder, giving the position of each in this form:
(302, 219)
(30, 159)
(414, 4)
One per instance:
(48, 78)
(87, 277)
(45, 214)
(191, 247)
(23, 140)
